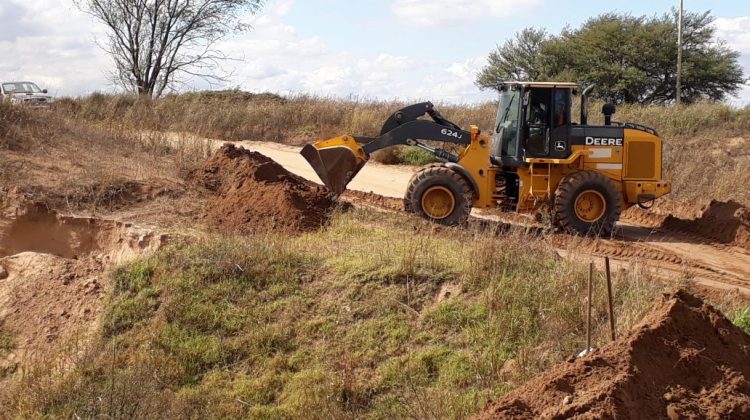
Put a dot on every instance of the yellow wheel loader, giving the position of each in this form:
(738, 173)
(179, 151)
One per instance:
(536, 160)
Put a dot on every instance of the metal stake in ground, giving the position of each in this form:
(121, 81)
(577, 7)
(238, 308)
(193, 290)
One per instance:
(609, 299)
(588, 302)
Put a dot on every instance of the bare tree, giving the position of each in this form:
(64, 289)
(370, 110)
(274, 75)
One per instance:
(155, 43)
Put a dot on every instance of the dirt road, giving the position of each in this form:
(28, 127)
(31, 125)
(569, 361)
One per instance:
(669, 253)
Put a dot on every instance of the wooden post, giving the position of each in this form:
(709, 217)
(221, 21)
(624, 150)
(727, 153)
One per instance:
(609, 300)
(588, 315)
(678, 93)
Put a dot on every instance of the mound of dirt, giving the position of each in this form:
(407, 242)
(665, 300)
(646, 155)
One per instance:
(725, 222)
(685, 360)
(255, 193)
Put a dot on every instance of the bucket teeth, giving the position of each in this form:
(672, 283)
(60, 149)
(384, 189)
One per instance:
(336, 165)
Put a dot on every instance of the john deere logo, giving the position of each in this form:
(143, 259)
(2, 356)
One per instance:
(602, 141)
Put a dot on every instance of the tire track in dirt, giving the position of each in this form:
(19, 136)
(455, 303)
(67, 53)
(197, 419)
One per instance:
(636, 240)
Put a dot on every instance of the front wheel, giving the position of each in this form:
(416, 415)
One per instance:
(439, 194)
(587, 203)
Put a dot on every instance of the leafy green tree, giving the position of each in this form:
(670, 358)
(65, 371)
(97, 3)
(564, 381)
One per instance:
(519, 58)
(634, 59)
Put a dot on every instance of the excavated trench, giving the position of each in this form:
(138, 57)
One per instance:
(52, 276)
(35, 228)
(40, 230)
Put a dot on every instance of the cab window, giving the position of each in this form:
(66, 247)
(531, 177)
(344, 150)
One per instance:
(560, 113)
(537, 122)
(536, 114)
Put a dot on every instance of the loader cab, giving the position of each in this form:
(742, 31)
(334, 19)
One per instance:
(533, 121)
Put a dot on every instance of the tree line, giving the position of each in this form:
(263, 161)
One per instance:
(632, 59)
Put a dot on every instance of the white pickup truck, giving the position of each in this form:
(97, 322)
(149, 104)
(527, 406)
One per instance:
(25, 93)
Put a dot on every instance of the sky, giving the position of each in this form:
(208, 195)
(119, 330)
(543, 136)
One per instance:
(385, 49)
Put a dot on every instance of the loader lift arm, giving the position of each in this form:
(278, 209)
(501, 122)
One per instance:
(338, 160)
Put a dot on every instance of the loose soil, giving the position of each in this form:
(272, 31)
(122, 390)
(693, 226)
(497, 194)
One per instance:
(724, 222)
(254, 193)
(685, 360)
(53, 277)
(47, 302)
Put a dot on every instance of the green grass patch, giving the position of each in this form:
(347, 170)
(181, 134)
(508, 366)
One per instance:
(347, 322)
(7, 342)
(742, 319)
(415, 156)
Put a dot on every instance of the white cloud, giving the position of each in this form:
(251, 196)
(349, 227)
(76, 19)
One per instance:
(53, 44)
(438, 12)
(735, 31)
(278, 59)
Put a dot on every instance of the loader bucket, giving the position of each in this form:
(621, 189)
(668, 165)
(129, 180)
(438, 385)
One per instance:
(336, 162)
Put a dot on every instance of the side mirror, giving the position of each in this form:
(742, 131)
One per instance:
(44, 90)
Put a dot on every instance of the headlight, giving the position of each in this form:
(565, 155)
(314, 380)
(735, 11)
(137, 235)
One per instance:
(14, 100)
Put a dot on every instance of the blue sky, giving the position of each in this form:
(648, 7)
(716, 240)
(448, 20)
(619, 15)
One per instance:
(371, 24)
(387, 49)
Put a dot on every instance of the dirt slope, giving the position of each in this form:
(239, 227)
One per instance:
(685, 360)
(726, 223)
(45, 301)
(53, 275)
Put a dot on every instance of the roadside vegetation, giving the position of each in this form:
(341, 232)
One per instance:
(635, 56)
(704, 154)
(376, 316)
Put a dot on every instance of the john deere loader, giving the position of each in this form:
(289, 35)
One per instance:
(535, 160)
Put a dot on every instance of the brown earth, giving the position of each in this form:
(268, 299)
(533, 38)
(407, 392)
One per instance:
(725, 222)
(46, 302)
(53, 276)
(255, 193)
(376, 200)
(684, 360)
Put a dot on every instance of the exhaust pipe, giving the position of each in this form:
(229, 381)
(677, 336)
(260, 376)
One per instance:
(584, 103)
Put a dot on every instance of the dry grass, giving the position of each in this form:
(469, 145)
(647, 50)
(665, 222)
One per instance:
(235, 115)
(705, 148)
(352, 321)
(69, 162)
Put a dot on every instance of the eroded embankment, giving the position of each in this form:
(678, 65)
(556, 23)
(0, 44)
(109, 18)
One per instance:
(721, 222)
(52, 276)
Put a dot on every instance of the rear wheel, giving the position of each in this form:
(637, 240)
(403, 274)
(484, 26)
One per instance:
(439, 194)
(587, 203)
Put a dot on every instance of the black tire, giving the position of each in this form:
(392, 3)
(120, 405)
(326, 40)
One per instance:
(564, 213)
(439, 176)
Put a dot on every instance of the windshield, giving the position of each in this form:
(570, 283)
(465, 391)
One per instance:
(507, 121)
(507, 110)
(21, 87)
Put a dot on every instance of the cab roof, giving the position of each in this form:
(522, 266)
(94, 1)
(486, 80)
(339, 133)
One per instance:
(548, 85)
